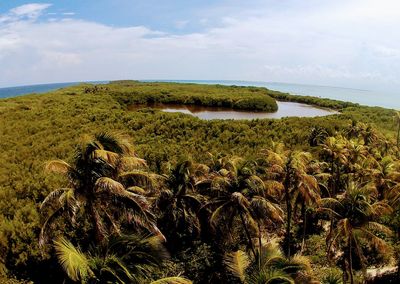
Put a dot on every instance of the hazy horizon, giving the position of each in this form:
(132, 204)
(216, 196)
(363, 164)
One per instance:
(347, 44)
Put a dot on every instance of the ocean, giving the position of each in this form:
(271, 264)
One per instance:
(364, 97)
(10, 92)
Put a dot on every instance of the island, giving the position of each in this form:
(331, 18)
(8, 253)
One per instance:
(93, 190)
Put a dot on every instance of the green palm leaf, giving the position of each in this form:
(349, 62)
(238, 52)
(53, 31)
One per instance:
(172, 280)
(237, 263)
(73, 261)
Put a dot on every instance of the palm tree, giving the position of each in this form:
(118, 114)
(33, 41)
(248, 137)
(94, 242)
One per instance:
(385, 174)
(179, 203)
(291, 168)
(396, 118)
(265, 211)
(274, 267)
(127, 259)
(317, 136)
(236, 192)
(97, 188)
(336, 154)
(356, 214)
(356, 152)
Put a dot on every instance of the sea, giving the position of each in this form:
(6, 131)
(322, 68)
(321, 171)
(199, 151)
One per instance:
(363, 97)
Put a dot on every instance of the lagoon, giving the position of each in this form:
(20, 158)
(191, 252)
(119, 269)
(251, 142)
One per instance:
(285, 109)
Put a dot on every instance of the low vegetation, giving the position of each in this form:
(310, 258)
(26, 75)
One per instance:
(93, 193)
(133, 92)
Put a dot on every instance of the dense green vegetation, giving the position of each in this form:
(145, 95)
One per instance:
(133, 92)
(295, 200)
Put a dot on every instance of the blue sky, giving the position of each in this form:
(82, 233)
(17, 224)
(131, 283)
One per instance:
(350, 43)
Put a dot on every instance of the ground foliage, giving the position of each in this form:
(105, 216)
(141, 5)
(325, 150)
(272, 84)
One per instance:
(37, 128)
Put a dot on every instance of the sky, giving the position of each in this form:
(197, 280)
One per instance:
(347, 43)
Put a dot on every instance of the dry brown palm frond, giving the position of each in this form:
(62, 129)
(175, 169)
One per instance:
(380, 228)
(108, 184)
(116, 189)
(108, 156)
(137, 190)
(264, 209)
(58, 166)
(274, 188)
(43, 236)
(132, 163)
(68, 200)
(380, 208)
(53, 198)
(140, 178)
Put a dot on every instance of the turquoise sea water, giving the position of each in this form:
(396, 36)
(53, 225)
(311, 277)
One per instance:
(364, 97)
(10, 92)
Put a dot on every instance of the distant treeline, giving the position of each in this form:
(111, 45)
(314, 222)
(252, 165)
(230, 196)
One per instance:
(321, 102)
(134, 92)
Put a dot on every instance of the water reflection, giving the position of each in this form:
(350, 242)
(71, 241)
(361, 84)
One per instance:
(285, 109)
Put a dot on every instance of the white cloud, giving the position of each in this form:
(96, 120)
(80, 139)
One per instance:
(181, 24)
(28, 11)
(350, 43)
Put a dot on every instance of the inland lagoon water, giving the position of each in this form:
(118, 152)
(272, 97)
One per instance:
(285, 109)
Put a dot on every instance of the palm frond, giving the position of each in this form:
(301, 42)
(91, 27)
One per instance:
(172, 280)
(131, 163)
(115, 142)
(73, 261)
(43, 236)
(69, 202)
(109, 185)
(298, 263)
(57, 166)
(216, 215)
(237, 263)
(270, 276)
(137, 190)
(271, 253)
(108, 156)
(53, 198)
(140, 178)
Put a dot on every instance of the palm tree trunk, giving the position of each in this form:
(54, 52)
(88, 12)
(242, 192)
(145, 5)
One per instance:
(398, 269)
(98, 229)
(288, 224)
(344, 269)
(304, 214)
(248, 235)
(333, 189)
(259, 246)
(350, 262)
(337, 181)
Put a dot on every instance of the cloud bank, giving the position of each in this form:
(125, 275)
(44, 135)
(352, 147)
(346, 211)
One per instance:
(354, 43)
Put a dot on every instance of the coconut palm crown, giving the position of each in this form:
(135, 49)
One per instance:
(98, 191)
